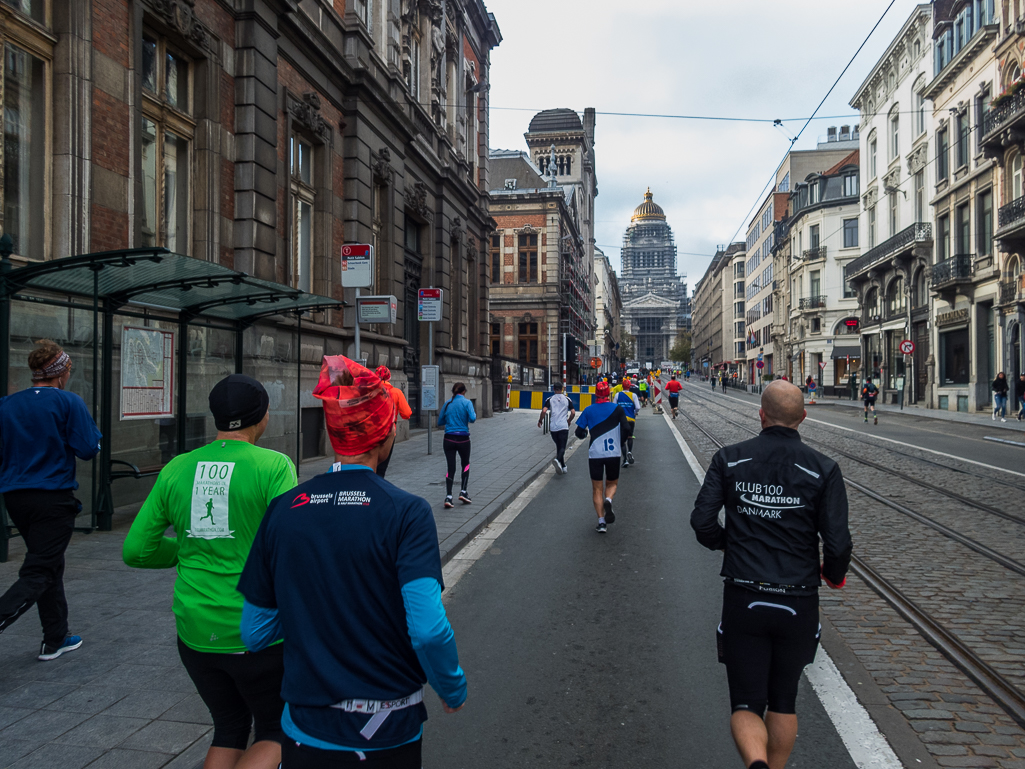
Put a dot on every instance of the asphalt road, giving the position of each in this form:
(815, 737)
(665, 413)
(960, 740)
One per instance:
(589, 650)
(915, 427)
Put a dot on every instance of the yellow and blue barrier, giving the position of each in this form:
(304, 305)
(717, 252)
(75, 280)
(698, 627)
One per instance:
(534, 399)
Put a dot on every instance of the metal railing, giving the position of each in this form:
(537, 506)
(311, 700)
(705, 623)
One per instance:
(956, 268)
(812, 302)
(1003, 113)
(919, 232)
(1012, 212)
(811, 254)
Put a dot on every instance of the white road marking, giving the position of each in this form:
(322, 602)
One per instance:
(891, 440)
(1002, 440)
(461, 562)
(866, 745)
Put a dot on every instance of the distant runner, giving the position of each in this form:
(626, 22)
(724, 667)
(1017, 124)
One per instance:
(561, 409)
(673, 387)
(628, 401)
(643, 387)
(404, 411)
(868, 396)
(607, 423)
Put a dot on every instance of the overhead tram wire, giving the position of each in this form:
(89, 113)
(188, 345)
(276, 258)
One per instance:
(779, 165)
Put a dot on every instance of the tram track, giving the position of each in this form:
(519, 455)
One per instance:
(1002, 690)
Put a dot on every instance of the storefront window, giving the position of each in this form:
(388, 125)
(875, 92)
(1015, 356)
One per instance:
(954, 357)
(24, 164)
(875, 356)
(894, 360)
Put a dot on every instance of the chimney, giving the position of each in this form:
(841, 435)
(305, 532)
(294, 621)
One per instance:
(831, 134)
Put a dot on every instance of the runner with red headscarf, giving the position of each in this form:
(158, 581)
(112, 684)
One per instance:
(404, 411)
(608, 425)
(346, 568)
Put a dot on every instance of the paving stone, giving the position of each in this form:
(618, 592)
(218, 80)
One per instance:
(165, 737)
(89, 699)
(948, 750)
(130, 759)
(43, 725)
(35, 694)
(966, 761)
(102, 731)
(970, 726)
(145, 703)
(52, 756)
(12, 715)
(191, 709)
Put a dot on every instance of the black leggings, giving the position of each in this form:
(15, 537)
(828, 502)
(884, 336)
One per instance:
(242, 691)
(457, 444)
(45, 520)
(560, 437)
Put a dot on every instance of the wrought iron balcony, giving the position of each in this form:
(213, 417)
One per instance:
(956, 269)
(1012, 291)
(812, 254)
(1004, 115)
(920, 232)
(812, 302)
(1012, 213)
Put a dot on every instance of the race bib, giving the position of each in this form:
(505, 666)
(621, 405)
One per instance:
(210, 501)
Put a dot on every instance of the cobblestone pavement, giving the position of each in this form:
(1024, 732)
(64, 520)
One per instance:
(972, 596)
(123, 701)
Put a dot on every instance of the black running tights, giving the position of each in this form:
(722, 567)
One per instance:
(457, 444)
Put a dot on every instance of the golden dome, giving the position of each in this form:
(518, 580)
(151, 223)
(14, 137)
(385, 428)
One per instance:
(648, 209)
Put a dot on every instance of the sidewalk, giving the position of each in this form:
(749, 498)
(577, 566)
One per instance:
(982, 419)
(123, 701)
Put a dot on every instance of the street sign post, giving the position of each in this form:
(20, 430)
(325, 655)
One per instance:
(429, 388)
(357, 273)
(822, 365)
(428, 310)
(907, 347)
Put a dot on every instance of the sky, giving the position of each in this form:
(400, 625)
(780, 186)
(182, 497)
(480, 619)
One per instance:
(763, 59)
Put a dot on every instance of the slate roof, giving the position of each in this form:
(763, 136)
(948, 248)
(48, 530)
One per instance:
(551, 120)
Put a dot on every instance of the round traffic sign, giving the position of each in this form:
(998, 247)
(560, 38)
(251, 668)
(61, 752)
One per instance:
(596, 362)
(760, 364)
(907, 347)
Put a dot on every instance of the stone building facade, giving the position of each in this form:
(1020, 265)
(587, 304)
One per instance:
(656, 306)
(262, 136)
(608, 312)
(542, 292)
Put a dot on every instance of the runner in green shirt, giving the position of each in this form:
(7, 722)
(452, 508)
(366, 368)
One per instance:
(215, 498)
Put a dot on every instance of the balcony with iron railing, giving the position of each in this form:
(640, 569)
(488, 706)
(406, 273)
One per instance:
(957, 269)
(814, 254)
(1008, 113)
(1011, 218)
(1012, 291)
(813, 302)
(909, 237)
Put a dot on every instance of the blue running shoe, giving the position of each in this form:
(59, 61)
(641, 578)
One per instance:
(48, 652)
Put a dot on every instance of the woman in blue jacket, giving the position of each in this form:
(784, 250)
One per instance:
(455, 417)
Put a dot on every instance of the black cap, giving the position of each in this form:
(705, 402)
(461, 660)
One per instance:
(237, 402)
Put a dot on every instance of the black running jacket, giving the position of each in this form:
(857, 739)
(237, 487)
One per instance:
(780, 497)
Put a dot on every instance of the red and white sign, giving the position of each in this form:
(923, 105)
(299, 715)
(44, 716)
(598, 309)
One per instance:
(822, 364)
(428, 304)
(907, 347)
(357, 265)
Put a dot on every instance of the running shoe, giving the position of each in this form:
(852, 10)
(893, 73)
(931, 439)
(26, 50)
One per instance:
(565, 469)
(866, 419)
(1002, 419)
(600, 528)
(994, 416)
(47, 652)
(448, 501)
(558, 467)
(875, 420)
(630, 457)
(464, 497)
(610, 515)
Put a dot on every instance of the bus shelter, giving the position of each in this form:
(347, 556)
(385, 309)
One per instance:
(149, 332)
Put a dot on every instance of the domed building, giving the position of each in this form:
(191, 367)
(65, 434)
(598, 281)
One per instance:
(655, 302)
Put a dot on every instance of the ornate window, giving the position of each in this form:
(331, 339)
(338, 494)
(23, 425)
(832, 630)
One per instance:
(25, 98)
(1016, 177)
(984, 223)
(942, 154)
(528, 343)
(894, 133)
(301, 198)
(527, 258)
(167, 132)
(496, 258)
(496, 339)
(896, 301)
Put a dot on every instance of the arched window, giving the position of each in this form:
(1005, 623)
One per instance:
(1013, 74)
(872, 303)
(896, 302)
(1014, 266)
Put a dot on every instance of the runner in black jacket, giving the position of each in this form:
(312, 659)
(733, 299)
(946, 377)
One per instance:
(780, 496)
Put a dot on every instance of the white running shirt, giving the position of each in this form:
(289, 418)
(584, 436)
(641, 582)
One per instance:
(559, 406)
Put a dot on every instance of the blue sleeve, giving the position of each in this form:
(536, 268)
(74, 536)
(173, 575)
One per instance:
(260, 627)
(257, 581)
(473, 414)
(582, 420)
(441, 415)
(433, 640)
(83, 435)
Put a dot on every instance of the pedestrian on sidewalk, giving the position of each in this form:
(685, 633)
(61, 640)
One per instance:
(607, 423)
(812, 386)
(869, 392)
(346, 568)
(1000, 389)
(215, 498)
(779, 497)
(404, 411)
(455, 416)
(1019, 396)
(42, 430)
(561, 409)
(627, 400)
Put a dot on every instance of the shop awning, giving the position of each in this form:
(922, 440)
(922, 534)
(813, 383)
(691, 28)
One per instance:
(842, 352)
